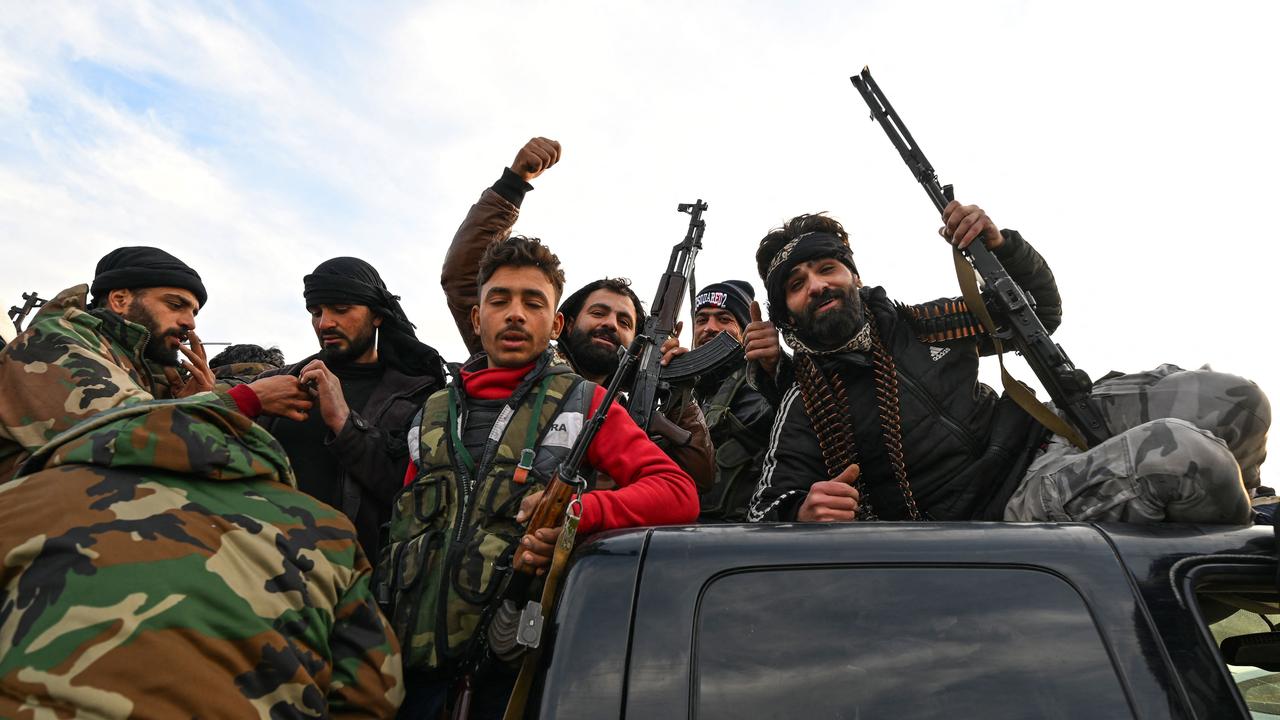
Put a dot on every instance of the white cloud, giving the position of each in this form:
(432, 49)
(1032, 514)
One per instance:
(1132, 144)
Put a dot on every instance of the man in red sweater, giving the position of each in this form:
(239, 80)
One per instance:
(482, 451)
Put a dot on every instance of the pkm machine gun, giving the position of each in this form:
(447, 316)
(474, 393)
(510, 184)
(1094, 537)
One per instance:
(1067, 385)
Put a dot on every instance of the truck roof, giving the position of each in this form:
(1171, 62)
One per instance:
(1135, 582)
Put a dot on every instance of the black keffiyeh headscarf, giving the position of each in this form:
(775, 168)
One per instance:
(352, 281)
(806, 247)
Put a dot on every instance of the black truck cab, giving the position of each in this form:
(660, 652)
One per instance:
(914, 620)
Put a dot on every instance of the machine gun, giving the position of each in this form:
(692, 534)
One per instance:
(1067, 385)
(31, 301)
(652, 382)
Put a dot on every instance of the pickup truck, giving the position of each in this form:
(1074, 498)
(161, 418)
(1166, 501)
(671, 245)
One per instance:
(916, 620)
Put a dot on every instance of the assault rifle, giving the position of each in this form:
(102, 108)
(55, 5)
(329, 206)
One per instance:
(507, 633)
(1067, 385)
(31, 301)
(652, 381)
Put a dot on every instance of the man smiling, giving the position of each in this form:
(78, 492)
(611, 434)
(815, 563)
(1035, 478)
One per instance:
(887, 420)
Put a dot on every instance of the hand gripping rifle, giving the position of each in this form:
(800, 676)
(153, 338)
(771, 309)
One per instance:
(652, 381)
(1067, 385)
(560, 504)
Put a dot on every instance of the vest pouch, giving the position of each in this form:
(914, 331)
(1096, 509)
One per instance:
(420, 507)
(727, 500)
(487, 549)
(417, 571)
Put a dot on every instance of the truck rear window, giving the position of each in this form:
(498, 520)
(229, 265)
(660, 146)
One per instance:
(919, 642)
(1244, 622)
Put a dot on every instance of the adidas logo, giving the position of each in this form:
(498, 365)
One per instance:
(936, 353)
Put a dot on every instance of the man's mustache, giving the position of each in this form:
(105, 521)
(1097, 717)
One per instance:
(514, 330)
(828, 294)
(607, 334)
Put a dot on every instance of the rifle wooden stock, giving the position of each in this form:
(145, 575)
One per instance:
(548, 513)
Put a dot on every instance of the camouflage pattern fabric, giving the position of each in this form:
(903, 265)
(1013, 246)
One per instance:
(241, 373)
(1188, 444)
(70, 364)
(156, 561)
(451, 538)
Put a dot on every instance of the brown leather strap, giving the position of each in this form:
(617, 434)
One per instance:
(1021, 395)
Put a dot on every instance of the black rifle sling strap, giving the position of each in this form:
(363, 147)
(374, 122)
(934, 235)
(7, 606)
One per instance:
(1021, 395)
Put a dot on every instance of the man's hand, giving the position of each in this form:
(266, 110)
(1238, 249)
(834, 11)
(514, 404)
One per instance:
(199, 379)
(962, 224)
(672, 349)
(328, 392)
(535, 157)
(282, 395)
(832, 500)
(760, 341)
(540, 545)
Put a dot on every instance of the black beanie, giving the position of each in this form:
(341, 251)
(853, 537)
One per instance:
(144, 267)
(732, 295)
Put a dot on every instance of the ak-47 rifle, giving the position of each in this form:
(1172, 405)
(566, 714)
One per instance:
(558, 506)
(31, 301)
(652, 381)
(1067, 385)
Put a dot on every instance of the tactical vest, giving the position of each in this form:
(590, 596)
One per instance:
(739, 452)
(453, 529)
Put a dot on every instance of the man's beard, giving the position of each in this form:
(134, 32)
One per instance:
(356, 346)
(156, 350)
(834, 327)
(589, 358)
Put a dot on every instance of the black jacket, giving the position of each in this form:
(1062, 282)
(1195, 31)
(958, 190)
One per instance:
(371, 450)
(964, 446)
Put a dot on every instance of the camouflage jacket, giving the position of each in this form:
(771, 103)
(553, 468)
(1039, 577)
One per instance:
(156, 561)
(68, 365)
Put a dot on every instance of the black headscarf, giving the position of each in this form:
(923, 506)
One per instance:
(143, 267)
(809, 246)
(352, 281)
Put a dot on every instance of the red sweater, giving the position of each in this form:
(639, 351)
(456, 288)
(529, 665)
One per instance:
(652, 489)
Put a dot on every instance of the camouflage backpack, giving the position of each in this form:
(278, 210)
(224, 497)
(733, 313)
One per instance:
(453, 529)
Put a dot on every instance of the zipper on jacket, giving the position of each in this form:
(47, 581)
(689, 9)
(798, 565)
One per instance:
(954, 426)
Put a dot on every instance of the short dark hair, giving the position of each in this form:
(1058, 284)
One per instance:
(794, 228)
(521, 251)
(248, 353)
(620, 286)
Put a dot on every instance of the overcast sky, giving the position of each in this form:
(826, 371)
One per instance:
(1134, 144)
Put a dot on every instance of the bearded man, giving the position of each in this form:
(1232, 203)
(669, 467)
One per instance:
(886, 418)
(738, 415)
(78, 358)
(369, 378)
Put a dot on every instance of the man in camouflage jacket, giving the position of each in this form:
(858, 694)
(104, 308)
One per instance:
(79, 358)
(158, 562)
